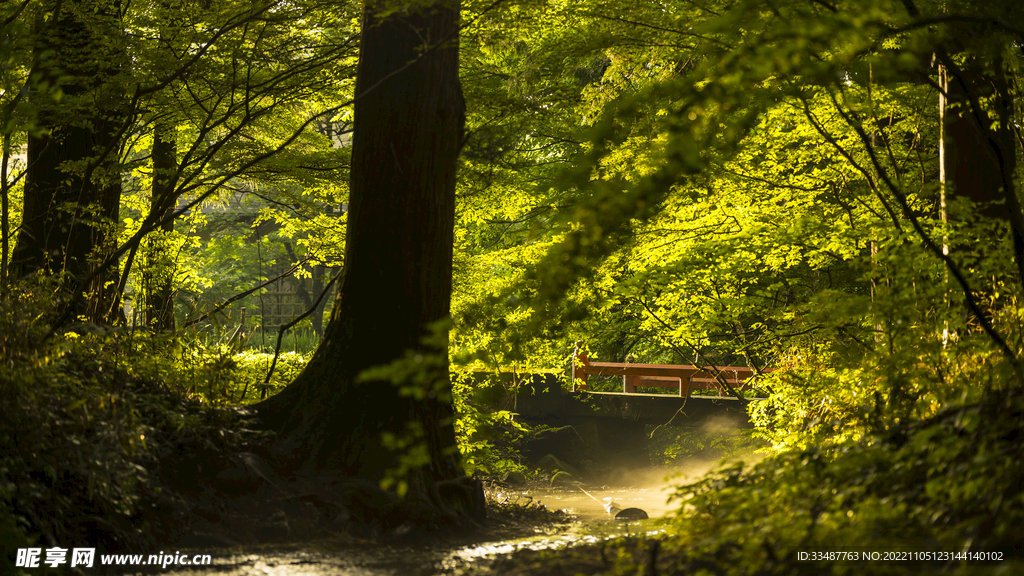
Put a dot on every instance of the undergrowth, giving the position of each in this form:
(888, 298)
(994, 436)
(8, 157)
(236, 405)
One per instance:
(909, 446)
(949, 484)
(106, 429)
(94, 426)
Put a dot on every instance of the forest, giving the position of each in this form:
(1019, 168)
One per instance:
(258, 258)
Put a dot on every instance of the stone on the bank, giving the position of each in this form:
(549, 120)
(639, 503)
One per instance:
(276, 528)
(514, 478)
(562, 478)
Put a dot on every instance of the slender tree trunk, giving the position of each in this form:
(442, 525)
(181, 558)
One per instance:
(309, 296)
(320, 274)
(5, 210)
(397, 279)
(158, 276)
(5, 187)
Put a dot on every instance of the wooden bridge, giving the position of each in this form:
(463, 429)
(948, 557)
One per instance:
(611, 427)
(685, 378)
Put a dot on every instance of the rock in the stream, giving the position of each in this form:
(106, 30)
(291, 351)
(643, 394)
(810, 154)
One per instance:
(402, 529)
(631, 514)
(562, 478)
(513, 478)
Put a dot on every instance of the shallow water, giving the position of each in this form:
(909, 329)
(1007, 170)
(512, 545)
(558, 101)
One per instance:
(321, 558)
(590, 508)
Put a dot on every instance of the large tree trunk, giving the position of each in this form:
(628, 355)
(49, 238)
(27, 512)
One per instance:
(73, 183)
(397, 279)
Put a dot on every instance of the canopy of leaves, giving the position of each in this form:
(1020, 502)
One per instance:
(755, 183)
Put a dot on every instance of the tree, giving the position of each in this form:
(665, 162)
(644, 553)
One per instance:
(397, 278)
(225, 93)
(158, 271)
(977, 148)
(73, 186)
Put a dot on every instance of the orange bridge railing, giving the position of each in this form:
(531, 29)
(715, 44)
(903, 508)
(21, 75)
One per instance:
(681, 377)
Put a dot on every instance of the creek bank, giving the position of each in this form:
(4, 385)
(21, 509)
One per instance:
(629, 554)
(238, 500)
(299, 541)
(513, 530)
(411, 554)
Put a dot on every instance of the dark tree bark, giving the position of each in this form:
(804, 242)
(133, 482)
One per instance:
(158, 272)
(977, 161)
(397, 279)
(72, 183)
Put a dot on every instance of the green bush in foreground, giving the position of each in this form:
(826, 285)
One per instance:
(951, 484)
(250, 372)
(94, 422)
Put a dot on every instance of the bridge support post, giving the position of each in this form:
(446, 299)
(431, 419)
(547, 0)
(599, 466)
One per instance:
(580, 361)
(630, 382)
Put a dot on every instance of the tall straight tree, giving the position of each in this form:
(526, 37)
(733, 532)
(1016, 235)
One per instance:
(397, 279)
(158, 273)
(73, 181)
(977, 148)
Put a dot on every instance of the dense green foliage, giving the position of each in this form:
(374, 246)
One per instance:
(761, 185)
(749, 183)
(91, 421)
(949, 484)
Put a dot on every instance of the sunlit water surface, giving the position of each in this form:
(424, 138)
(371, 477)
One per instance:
(320, 558)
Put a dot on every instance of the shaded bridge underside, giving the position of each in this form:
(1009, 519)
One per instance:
(608, 429)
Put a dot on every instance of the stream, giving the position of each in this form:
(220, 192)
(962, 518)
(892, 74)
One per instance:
(591, 524)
